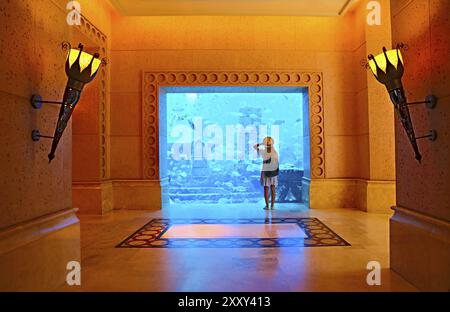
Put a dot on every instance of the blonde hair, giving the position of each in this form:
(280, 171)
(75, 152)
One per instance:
(268, 141)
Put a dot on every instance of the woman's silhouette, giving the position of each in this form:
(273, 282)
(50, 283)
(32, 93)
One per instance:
(270, 169)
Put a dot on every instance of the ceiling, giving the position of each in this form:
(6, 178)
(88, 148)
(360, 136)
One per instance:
(232, 7)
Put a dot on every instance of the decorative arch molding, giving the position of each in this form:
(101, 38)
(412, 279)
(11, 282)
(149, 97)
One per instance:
(150, 106)
(99, 39)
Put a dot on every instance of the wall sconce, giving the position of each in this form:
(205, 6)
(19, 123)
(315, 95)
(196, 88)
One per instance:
(388, 69)
(81, 68)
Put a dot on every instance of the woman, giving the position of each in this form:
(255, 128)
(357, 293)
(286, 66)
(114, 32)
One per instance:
(270, 169)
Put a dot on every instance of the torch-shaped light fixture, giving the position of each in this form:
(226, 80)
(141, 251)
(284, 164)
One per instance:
(388, 68)
(81, 68)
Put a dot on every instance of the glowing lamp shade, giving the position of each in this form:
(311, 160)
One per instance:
(393, 56)
(84, 60)
(81, 67)
(387, 67)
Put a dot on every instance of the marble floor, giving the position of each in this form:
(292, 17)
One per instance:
(328, 268)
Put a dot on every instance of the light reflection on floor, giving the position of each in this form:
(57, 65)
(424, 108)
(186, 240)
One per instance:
(234, 231)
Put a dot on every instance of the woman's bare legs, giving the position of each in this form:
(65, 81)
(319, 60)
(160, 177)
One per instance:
(272, 188)
(266, 196)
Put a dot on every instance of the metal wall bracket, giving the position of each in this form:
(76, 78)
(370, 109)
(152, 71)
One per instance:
(36, 135)
(36, 101)
(432, 136)
(430, 102)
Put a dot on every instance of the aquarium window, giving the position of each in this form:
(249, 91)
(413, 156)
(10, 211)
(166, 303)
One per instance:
(207, 139)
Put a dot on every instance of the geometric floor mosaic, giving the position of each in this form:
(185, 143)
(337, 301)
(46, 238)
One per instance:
(272, 233)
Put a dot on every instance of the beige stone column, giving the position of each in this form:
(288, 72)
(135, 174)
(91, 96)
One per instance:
(380, 192)
(91, 187)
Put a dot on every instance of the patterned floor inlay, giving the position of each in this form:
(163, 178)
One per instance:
(312, 233)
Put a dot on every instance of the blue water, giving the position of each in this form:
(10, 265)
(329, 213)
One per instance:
(210, 158)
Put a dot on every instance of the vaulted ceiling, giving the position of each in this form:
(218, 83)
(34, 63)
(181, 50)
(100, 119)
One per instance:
(232, 7)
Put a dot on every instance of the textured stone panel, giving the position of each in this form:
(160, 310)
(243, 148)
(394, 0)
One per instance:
(100, 40)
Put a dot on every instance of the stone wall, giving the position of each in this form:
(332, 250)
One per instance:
(333, 46)
(39, 231)
(420, 232)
